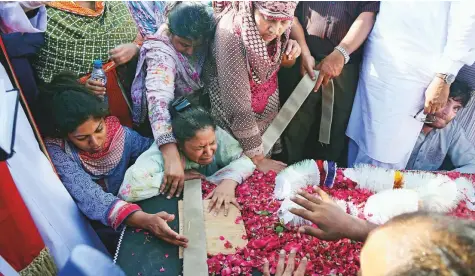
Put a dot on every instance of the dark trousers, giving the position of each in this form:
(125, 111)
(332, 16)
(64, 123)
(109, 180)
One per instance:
(300, 139)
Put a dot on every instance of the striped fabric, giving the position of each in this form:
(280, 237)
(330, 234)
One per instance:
(466, 117)
(331, 19)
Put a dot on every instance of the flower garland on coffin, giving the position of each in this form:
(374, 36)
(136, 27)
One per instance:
(396, 192)
(267, 235)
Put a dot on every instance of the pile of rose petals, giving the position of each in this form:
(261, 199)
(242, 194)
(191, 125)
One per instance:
(267, 235)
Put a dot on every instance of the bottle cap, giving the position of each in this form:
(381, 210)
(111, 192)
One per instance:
(97, 63)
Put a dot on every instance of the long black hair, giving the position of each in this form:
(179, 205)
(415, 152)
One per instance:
(64, 104)
(187, 119)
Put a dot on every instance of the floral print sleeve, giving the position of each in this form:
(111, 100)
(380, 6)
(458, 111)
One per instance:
(234, 164)
(143, 179)
(160, 86)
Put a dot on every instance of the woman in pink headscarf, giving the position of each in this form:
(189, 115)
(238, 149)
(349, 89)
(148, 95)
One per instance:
(240, 76)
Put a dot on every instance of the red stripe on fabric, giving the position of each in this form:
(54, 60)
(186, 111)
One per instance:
(321, 169)
(20, 241)
(123, 213)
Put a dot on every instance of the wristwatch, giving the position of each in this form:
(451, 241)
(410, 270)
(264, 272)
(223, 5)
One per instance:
(447, 78)
(344, 53)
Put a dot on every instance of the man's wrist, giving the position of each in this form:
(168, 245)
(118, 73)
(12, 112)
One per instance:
(447, 78)
(343, 52)
(305, 51)
(360, 229)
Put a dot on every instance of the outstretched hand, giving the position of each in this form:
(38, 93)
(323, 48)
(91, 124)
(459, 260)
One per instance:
(332, 221)
(158, 225)
(223, 194)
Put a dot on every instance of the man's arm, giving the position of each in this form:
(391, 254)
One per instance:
(461, 151)
(360, 229)
(358, 32)
(298, 35)
(307, 61)
(460, 46)
(332, 65)
(459, 50)
(333, 222)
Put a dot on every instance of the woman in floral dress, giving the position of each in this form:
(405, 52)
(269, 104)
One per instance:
(169, 66)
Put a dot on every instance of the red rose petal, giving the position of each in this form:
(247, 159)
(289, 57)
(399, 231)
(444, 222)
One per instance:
(227, 244)
(325, 258)
(221, 238)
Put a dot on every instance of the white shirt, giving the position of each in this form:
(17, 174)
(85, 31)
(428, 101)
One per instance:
(410, 42)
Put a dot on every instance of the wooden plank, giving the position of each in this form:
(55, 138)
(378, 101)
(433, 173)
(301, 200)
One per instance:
(220, 225)
(194, 256)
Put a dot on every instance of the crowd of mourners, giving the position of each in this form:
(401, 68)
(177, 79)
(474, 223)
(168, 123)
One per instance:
(193, 86)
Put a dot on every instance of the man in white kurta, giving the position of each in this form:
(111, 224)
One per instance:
(414, 51)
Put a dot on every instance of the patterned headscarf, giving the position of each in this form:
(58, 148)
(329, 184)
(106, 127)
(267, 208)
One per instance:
(261, 60)
(276, 10)
(103, 162)
(149, 15)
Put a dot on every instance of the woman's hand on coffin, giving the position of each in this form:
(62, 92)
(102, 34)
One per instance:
(96, 87)
(293, 50)
(330, 67)
(123, 53)
(174, 176)
(265, 165)
(288, 270)
(158, 225)
(436, 95)
(224, 193)
(332, 221)
(192, 174)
